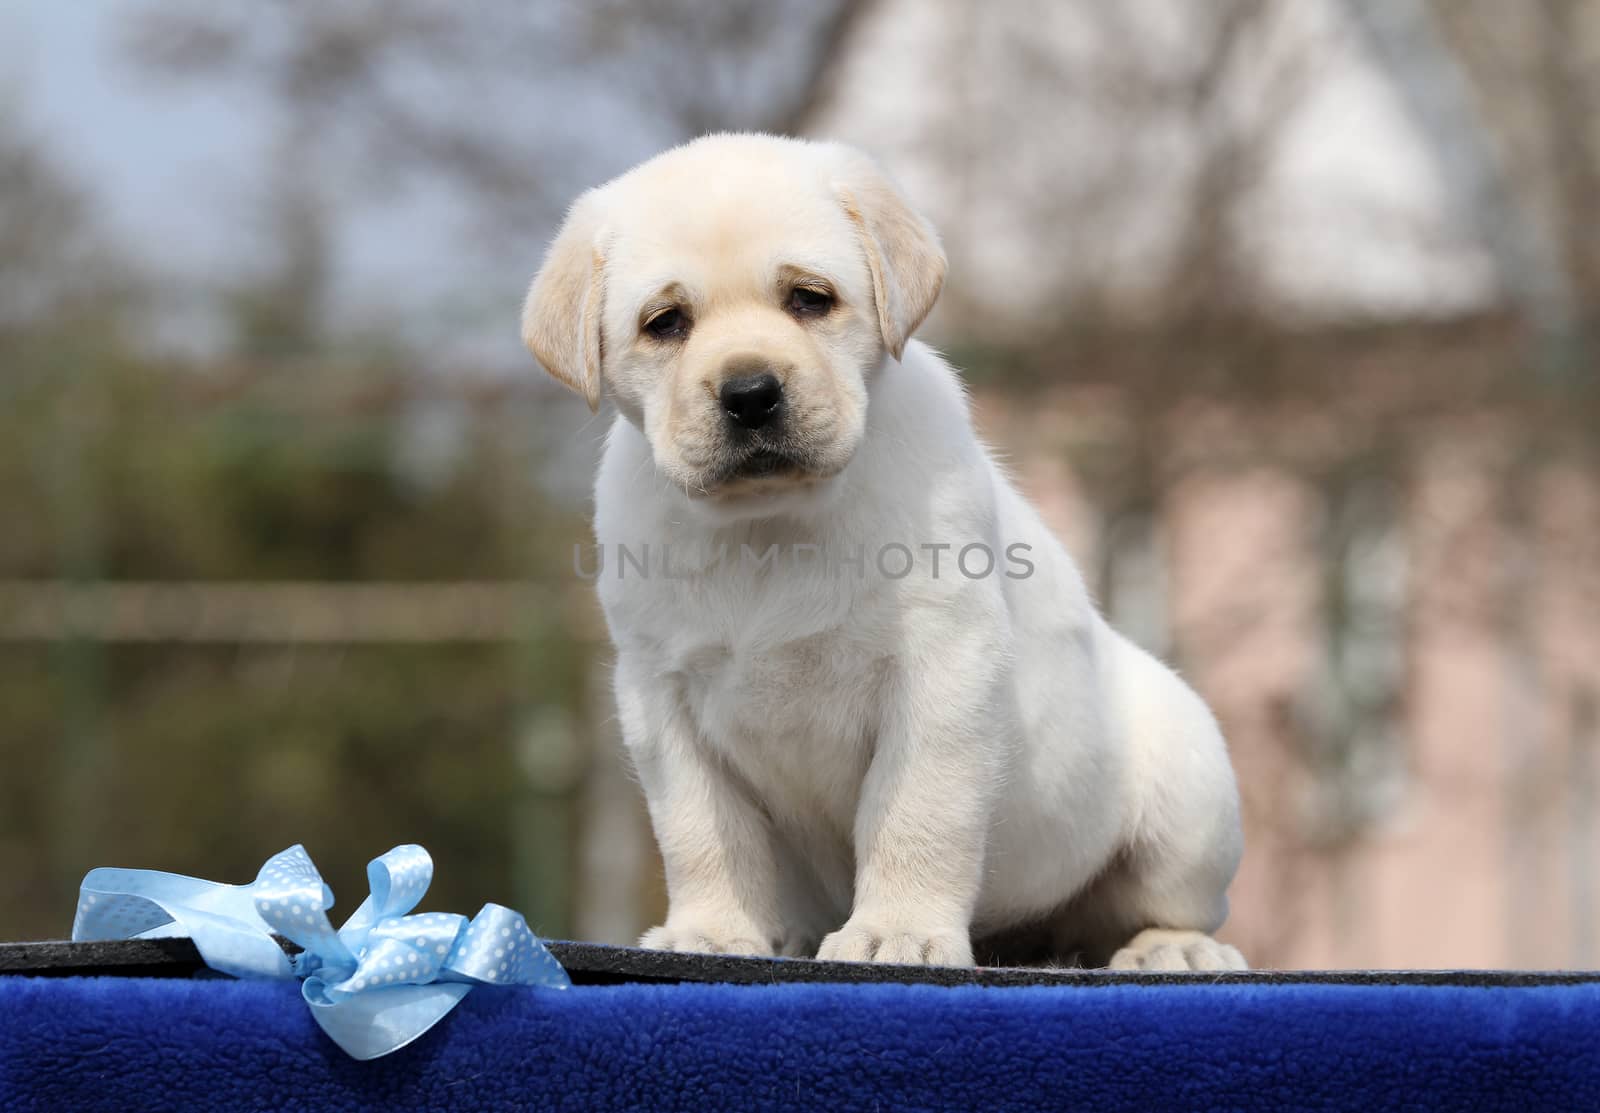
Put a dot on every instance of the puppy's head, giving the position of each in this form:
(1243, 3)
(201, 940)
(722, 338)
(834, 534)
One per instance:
(734, 297)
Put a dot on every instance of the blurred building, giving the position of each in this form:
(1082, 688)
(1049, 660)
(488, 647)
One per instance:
(1094, 148)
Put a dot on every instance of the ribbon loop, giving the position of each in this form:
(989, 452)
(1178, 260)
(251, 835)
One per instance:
(374, 985)
(292, 899)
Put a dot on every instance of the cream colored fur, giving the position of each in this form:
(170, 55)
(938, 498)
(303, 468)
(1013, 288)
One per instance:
(839, 759)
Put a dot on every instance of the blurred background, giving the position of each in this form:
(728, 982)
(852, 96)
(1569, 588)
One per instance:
(1284, 313)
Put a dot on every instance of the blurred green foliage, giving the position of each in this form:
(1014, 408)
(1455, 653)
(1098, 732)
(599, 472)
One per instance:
(208, 758)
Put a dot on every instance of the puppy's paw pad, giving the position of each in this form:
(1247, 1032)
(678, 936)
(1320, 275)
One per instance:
(1177, 951)
(703, 939)
(909, 947)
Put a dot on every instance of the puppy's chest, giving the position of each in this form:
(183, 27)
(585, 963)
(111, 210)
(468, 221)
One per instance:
(807, 690)
(785, 682)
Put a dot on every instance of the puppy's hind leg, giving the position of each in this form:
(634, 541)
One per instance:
(1145, 916)
(1168, 896)
(1157, 903)
(1166, 893)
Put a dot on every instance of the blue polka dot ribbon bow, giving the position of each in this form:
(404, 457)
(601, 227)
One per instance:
(376, 984)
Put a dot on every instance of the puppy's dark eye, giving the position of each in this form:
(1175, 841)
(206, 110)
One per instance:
(808, 301)
(669, 324)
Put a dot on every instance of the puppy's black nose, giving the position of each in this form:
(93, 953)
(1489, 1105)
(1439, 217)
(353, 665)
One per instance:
(752, 401)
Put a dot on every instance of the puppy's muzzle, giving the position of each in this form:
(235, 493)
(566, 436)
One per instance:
(764, 435)
(761, 439)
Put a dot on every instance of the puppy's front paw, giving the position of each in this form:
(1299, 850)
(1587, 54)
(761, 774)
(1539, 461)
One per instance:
(1157, 949)
(707, 937)
(908, 944)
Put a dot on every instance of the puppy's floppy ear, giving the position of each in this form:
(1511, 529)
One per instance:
(561, 318)
(902, 249)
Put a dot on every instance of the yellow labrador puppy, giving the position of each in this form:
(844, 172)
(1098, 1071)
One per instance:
(875, 714)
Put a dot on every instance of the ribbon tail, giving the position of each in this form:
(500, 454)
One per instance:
(370, 1025)
(221, 919)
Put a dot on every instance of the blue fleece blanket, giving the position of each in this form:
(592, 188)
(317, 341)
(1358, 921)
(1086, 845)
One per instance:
(130, 1044)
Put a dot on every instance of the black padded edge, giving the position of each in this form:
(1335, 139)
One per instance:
(134, 958)
(598, 964)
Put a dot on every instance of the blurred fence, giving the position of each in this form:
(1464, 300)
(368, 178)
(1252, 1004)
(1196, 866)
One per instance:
(285, 613)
